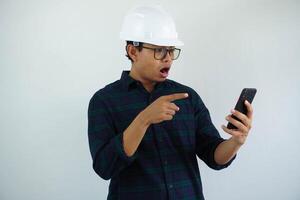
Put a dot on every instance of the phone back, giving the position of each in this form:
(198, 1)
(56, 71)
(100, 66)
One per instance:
(246, 94)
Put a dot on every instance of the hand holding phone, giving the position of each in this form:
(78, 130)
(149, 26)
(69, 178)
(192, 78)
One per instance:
(246, 94)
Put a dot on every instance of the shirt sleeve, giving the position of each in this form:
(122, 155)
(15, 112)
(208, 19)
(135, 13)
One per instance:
(207, 136)
(106, 145)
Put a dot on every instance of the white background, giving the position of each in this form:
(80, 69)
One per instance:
(54, 55)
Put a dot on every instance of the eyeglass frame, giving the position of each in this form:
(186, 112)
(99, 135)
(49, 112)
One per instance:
(168, 50)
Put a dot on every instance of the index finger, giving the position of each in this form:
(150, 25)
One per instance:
(175, 96)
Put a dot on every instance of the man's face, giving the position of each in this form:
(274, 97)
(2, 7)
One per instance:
(151, 69)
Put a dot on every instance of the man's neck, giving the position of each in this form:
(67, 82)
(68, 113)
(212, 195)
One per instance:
(148, 85)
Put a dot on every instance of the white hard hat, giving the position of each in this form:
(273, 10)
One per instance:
(150, 24)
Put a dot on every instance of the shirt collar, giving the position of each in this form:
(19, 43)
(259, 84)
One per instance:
(128, 81)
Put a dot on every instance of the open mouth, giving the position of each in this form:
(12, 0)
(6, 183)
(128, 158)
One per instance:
(164, 72)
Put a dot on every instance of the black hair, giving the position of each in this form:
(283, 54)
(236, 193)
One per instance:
(138, 45)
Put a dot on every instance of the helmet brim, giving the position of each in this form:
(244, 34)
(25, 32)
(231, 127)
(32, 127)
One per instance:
(163, 42)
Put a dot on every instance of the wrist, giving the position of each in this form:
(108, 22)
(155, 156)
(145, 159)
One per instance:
(142, 118)
(235, 143)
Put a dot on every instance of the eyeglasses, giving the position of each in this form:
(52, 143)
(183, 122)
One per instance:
(161, 53)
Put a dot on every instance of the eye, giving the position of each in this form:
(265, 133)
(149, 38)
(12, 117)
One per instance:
(171, 50)
(159, 50)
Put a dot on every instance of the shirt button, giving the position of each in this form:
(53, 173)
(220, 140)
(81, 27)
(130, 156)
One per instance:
(170, 186)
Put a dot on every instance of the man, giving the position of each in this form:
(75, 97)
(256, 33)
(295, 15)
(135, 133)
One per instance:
(146, 131)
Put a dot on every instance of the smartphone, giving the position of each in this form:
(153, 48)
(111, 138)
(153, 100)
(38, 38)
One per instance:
(246, 94)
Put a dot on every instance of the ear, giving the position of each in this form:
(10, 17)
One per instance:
(132, 52)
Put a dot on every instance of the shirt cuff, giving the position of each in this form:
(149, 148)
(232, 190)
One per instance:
(120, 149)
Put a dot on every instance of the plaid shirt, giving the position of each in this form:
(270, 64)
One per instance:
(165, 163)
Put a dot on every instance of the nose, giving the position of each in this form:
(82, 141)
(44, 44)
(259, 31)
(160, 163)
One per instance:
(167, 58)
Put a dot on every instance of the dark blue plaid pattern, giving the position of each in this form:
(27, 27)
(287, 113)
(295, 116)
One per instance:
(164, 165)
